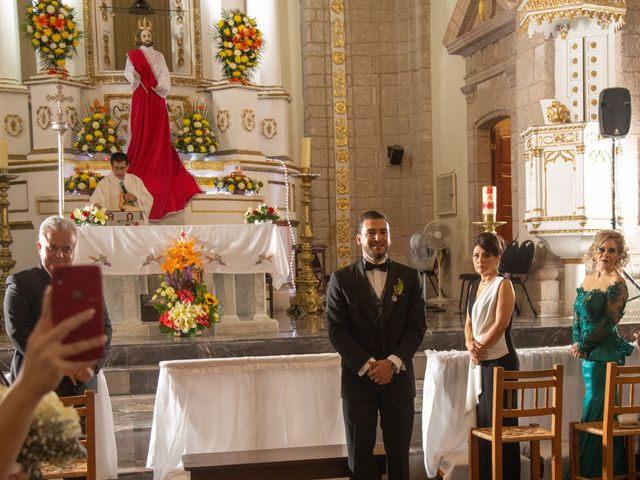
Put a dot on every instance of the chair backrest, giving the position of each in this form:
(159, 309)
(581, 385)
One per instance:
(621, 394)
(508, 257)
(85, 406)
(524, 258)
(543, 387)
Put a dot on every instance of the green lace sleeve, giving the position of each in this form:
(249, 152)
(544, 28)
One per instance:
(617, 295)
(575, 328)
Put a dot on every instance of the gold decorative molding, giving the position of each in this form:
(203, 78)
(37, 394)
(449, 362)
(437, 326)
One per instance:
(43, 117)
(341, 132)
(558, 112)
(343, 228)
(223, 119)
(572, 261)
(536, 12)
(342, 156)
(269, 128)
(13, 124)
(248, 119)
(342, 181)
(340, 84)
(556, 219)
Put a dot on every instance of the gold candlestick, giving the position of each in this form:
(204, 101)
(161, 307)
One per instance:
(489, 223)
(306, 299)
(6, 260)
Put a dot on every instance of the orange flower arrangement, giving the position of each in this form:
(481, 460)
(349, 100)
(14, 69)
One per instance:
(185, 306)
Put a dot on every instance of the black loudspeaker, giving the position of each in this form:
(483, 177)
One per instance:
(615, 112)
(395, 154)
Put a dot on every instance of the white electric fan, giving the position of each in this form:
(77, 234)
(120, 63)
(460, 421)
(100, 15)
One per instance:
(438, 237)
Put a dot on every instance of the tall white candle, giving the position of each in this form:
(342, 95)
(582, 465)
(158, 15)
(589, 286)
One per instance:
(305, 154)
(489, 199)
(4, 154)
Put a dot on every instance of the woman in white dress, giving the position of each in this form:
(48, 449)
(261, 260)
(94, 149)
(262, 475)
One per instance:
(488, 338)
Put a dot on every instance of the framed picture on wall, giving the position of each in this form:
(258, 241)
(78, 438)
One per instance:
(446, 198)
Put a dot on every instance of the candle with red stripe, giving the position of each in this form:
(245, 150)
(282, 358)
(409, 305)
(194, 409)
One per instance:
(489, 199)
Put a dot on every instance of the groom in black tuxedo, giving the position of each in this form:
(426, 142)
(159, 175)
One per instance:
(376, 318)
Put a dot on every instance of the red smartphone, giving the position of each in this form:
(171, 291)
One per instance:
(76, 288)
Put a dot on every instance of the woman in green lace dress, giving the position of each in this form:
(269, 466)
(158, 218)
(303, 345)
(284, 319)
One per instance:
(598, 308)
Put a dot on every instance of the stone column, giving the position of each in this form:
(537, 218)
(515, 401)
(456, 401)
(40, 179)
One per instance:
(266, 14)
(10, 66)
(209, 14)
(14, 97)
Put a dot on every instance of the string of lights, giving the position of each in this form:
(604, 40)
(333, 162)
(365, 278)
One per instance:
(291, 239)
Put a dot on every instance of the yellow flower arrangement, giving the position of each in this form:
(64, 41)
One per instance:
(97, 132)
(192, 132)
(236, 183)
(239, 45)
(50, 26)
(82, 182)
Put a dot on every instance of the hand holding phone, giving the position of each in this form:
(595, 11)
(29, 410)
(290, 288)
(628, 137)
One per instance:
(77, 288)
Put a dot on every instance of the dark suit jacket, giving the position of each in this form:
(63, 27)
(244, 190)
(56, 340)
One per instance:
(22, 306)
(359, 331)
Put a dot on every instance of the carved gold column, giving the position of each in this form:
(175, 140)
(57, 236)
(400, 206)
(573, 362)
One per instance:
(341, 133)
(6, 260)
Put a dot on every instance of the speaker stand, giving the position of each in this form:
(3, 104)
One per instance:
(613, 211)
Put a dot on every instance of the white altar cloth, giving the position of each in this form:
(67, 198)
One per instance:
(230, 249)
(231, 404)
(444, 425)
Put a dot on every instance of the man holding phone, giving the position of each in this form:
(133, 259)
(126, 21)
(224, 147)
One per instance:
(23, 300)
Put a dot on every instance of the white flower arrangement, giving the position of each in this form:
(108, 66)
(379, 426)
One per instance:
(53, 436)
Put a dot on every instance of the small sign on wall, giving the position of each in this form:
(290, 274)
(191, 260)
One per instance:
(446, 194)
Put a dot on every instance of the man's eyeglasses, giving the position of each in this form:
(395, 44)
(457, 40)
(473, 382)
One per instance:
(54, 249)
(610, 250)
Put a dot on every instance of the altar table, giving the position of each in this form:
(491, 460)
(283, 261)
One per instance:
(249, 403)
(231, 249)
(445, 428)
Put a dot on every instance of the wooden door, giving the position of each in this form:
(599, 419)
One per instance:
(501, 175)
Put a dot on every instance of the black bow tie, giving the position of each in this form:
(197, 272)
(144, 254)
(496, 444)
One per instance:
(380, 266)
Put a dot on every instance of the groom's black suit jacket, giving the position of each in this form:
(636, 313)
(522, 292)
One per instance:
(361, 327)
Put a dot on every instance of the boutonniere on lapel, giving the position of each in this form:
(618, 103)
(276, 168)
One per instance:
(398, 290)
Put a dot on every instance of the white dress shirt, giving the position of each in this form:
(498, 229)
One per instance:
(377, 279)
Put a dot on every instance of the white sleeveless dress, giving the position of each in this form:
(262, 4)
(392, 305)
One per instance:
(483, 315)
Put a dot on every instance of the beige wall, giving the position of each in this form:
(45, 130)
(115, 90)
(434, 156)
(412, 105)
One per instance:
(449, 110)
(388, 102)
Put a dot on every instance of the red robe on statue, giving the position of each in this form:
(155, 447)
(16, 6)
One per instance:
(151, 155)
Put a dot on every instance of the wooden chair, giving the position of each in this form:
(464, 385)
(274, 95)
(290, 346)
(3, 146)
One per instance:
(531, 382)
(81, 467)
(621, 382)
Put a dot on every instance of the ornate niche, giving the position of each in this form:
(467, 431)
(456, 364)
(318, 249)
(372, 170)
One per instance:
(175, 28)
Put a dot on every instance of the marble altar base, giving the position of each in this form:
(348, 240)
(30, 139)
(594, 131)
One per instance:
(243, 305)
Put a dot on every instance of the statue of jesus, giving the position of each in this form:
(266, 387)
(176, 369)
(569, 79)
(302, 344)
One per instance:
(150, 152)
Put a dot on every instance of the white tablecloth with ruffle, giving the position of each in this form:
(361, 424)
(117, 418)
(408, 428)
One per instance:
(444, 425)
(231, 404)
(231, 249)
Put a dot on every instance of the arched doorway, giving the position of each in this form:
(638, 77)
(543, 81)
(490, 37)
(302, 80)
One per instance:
(500, 148)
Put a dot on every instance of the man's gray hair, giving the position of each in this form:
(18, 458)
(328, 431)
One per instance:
(56, 224)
